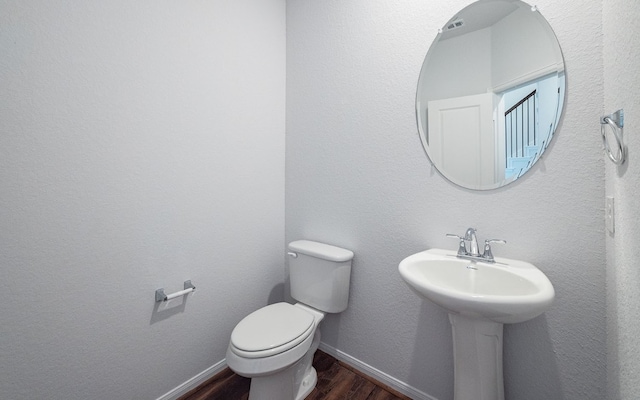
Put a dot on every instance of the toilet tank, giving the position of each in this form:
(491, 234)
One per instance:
(319, 275)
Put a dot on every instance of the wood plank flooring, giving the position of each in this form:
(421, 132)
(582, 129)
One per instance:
(336, 381)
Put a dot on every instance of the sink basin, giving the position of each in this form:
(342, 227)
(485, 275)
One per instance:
(507, 291)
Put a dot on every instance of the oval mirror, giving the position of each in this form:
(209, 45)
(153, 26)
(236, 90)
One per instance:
(490, 93)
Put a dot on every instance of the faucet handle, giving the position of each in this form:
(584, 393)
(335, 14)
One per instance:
(488, 254)
(462, 248)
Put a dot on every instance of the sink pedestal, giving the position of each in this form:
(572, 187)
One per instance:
(480, 298)
(477, 358)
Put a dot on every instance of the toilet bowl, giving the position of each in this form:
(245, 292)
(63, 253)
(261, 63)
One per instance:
(274, 346)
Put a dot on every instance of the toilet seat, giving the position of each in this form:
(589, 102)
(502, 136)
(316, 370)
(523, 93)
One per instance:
(271, 330)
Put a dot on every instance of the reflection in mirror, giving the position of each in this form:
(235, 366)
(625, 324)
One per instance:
(490, 93)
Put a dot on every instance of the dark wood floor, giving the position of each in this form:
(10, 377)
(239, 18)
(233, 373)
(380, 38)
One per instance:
(336, 381)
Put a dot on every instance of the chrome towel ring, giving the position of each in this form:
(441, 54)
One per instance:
(616, 122)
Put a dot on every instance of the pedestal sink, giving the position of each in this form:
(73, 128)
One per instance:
(480, 297)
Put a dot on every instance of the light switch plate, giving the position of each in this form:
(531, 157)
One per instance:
(610, 214)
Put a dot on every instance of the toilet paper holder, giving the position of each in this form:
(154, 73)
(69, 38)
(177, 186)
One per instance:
(161, 296)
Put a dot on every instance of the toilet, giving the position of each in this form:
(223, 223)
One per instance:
(274, 346)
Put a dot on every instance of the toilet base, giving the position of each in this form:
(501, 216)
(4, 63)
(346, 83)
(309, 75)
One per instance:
(308, 384)
(292, 383)
(282, 385)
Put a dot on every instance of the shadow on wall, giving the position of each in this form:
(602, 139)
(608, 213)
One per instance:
(166, 309)
(613, 367)
(432, 363)
(621, 170)
(530, 364)
(277, 294)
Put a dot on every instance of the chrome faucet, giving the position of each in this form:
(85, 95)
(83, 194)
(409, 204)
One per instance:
(474, 253)
(470, 236)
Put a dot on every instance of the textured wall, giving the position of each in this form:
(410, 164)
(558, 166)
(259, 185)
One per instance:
(356, 176)
(141, 145)
(621, 88)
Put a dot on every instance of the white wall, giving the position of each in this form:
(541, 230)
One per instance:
(356, 176)
(621, 87)
(141, 144)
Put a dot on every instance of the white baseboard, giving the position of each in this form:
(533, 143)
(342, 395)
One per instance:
(366, 369)
(194, 382)
(378, 375)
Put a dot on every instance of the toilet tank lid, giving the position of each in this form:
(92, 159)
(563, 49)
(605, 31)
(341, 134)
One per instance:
(321, 250)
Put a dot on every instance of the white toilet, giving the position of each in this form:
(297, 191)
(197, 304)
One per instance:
(274, 345)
